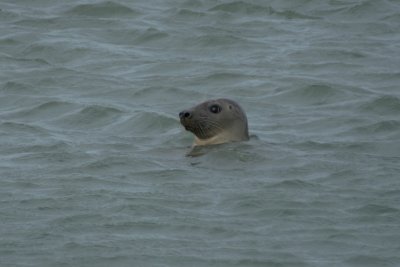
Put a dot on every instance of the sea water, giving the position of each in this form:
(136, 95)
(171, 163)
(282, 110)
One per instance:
(93, 160)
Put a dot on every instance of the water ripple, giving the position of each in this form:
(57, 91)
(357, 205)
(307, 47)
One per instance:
(93, 160)
(102, 9)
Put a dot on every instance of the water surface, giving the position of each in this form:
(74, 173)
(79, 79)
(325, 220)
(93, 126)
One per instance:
(92, 156)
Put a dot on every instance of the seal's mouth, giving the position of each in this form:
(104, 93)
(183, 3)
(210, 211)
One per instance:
(188, 127)
(198, 130)
(184, 124)
(201, 128)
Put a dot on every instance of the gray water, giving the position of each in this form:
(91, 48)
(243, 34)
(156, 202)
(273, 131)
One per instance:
(93, 165)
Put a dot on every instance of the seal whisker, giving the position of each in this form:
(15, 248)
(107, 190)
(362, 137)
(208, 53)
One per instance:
(201, 130)
(214, 125)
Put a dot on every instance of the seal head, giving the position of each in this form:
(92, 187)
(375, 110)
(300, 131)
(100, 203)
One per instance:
(215, 122)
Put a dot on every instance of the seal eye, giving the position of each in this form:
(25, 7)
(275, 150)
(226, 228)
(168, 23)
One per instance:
(215, 109)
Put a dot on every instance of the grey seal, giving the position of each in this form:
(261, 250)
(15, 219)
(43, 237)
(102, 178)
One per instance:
(215, 122)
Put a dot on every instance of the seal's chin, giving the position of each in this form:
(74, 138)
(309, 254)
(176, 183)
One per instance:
(191, 129)
(187, 127)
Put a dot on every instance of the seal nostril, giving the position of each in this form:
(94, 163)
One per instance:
(184, 114)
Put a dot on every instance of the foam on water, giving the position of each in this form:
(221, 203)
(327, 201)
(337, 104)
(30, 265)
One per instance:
(97, 171)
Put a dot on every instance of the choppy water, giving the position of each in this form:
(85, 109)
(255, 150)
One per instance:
(93, 169)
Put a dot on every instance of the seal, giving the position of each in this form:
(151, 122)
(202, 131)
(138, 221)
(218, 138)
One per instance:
(215, 122)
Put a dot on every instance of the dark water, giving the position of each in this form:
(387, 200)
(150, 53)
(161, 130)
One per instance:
(93, 169)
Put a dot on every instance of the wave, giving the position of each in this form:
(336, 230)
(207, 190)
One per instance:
(102, 9)
(375, 209)
(10, 128)
(382, 105)
(147, 123)
(90, 118)
(149, 35)
(386, 126)
(313, 94)
(44, 111)
(242, 7)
